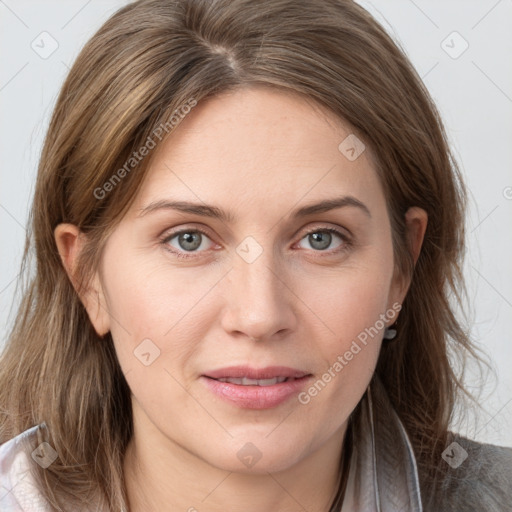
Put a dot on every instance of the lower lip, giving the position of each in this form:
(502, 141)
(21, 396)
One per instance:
(256, 397)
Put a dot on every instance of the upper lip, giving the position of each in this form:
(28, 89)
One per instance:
(268, 372)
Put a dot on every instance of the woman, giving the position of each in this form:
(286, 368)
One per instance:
(247, 224)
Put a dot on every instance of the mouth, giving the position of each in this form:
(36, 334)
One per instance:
(244, 381)
(251, 388)
(252, 376)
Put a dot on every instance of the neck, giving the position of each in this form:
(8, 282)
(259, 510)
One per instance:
(160, 474)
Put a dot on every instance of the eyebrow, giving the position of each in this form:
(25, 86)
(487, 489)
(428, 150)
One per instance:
(215, 212)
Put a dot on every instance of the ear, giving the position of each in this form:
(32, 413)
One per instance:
(416, 220)
(70, 240)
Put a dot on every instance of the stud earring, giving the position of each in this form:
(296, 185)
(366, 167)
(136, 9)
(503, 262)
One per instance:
(390, 332)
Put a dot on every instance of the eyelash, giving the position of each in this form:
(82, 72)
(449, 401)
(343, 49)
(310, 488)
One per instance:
(347, 243)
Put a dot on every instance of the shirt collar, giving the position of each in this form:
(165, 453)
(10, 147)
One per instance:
(383, 475)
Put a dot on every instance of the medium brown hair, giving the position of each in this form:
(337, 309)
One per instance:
(150, 58)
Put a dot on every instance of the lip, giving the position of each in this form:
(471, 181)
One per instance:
(269, 372)
(256, 397)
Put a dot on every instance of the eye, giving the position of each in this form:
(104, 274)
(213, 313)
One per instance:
(321, 238)
(186, 241)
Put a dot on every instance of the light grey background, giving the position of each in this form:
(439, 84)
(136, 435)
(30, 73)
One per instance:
(472, 87)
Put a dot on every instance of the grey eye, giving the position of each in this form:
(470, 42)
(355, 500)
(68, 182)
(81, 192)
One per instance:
(320, 240)
(190, 241)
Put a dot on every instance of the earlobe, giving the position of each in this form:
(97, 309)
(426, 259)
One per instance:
(69, 240)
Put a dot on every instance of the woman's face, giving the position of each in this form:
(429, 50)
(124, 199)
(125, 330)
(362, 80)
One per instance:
(265, 284)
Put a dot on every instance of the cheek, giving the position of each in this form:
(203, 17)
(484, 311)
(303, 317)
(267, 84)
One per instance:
(353, 317)
(157, 317)
(151, 301)
(350, 306)
(348, 301)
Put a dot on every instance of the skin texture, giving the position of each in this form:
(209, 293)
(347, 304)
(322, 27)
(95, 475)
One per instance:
(259, 154)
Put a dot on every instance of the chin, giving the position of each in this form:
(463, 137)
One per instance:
(256, 454)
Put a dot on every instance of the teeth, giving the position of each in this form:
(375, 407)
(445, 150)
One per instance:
(253, 382)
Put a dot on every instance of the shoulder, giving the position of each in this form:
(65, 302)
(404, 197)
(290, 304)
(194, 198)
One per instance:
(19, 492)
(479, 477)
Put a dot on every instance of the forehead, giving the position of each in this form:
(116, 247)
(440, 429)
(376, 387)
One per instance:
(258, 147)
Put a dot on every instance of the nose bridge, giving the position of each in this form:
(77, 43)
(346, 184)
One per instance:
(257, 300)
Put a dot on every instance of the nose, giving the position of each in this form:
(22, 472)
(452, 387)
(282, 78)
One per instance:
(259, 303)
